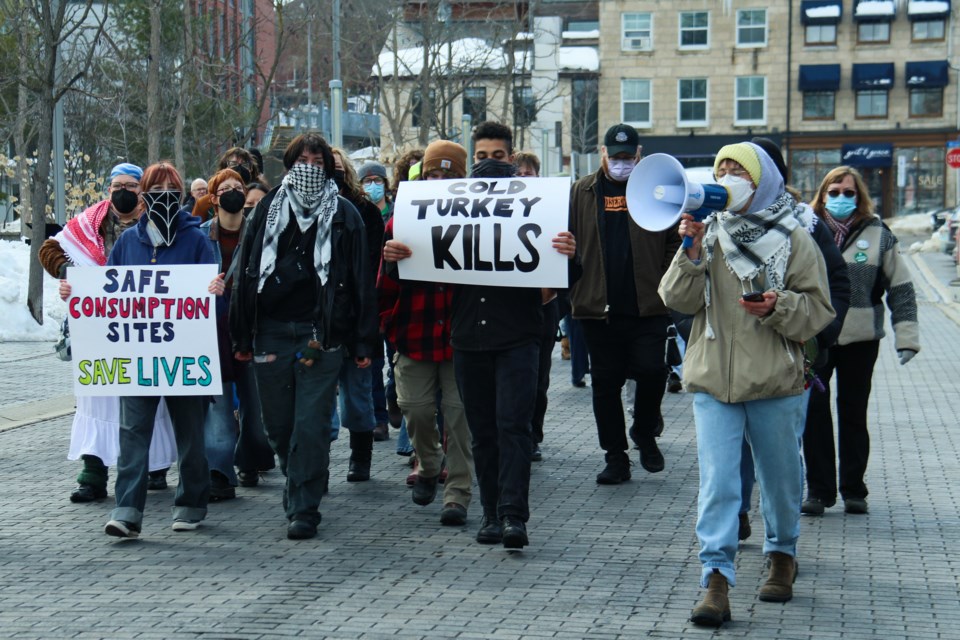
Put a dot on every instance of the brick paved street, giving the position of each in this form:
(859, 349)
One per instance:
(604, 562)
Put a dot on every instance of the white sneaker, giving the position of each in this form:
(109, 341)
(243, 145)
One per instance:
(121, 529)
(186, 525)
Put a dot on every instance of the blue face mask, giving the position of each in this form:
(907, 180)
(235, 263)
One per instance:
(841, 207)
(374, 191)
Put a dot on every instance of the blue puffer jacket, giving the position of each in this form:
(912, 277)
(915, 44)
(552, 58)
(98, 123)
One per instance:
(190, 246)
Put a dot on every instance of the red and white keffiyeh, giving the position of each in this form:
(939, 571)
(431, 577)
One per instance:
(81, 240)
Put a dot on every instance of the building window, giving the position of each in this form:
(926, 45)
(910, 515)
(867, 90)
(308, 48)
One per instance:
(925, 172)
(816, 34)
(692, 102)
(524, 106)
(637, 32)
(819, 105)
(694, 29)
(807, 168)
(928, 30)
(583, 25)
(635, 101)
(872, 104)
(926, 103)
(752, 28)
(751, 100)
(475, 103)
(584, 111)
(416, 106)
(873, 32)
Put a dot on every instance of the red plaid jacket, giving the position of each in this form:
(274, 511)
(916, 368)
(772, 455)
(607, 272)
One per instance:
(415, 316)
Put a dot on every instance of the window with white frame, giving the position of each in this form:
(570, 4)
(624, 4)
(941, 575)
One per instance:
(637, 31)
(694, 29)
(635, 102)
(692, 102)
(752, 28)
(751, 100)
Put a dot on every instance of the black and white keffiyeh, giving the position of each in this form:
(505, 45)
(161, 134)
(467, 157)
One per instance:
(755, 242)
(308, 196)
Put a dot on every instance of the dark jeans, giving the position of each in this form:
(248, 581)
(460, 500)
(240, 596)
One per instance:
(253, 450)
(379, 391)
(137, 414)
(854, 366)
(547, 341)
(622, 348)
(579, 356)
(297, 404)
(498, 390)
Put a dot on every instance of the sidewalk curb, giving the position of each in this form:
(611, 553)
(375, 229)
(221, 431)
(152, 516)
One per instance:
(21, 415)
(929, 282)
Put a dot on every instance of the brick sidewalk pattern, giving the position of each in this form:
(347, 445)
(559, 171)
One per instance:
(604, 562)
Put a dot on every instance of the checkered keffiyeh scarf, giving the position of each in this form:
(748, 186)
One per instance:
(81, 240)
(309, 197)
(755, 242)
(839, 229)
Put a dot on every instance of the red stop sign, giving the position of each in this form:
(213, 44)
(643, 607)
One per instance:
(953, 157)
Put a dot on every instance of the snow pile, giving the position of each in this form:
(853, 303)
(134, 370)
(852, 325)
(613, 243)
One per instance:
(455, 57)
(579, 58)
(924, 7)
(828, 11)
(917, 224)
(16, 323)
(875, 8)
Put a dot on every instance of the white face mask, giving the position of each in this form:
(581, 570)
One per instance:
(620, 170)
(740, 191)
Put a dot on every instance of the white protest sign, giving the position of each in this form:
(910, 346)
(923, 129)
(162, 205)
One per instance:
(144, 331)
(489, 231)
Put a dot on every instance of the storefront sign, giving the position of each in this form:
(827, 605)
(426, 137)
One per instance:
(876, 154)
(494, 231)
(144, 331)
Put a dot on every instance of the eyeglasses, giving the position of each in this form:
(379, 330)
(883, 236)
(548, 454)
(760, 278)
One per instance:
(220, 192)
(234, 163)
(736, 173)
(850, 193)
(373, 180)
(129, 186)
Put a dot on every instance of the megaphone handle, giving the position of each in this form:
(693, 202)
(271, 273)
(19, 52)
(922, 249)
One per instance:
(698, 215)
(687, 242)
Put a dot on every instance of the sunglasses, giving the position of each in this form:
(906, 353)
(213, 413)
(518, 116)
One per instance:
(850, 193)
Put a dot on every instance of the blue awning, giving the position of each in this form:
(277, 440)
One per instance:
(821, 11)
(928, 9)
(872, 76)
(867, 154)
(932, 74)
(875, 10)
(819, 77)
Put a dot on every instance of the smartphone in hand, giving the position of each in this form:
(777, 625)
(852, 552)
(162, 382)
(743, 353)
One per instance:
(753, 296)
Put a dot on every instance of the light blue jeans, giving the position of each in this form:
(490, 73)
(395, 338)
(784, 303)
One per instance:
(770, 427)
(747, 472)
(220, 432)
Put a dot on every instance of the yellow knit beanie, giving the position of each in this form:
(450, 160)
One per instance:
(743, 153)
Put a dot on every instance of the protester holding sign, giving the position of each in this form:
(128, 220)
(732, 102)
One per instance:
(87, 241)
(303, 295)
(164, 235)
(624, 320)
(416, 318)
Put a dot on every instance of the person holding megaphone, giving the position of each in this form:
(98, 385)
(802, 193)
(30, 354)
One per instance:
(623, 319)
(757, 287)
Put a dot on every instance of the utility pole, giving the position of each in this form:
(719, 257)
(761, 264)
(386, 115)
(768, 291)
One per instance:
(59, 186)
(336, 85)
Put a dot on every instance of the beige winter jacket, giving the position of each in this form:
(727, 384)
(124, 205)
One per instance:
(750, 358)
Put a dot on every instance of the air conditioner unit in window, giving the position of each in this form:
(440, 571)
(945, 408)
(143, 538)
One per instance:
(637, 44)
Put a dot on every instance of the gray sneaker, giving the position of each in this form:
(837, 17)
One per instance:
(121, 529)
(185, 525)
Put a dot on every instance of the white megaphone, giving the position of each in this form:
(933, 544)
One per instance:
(658, 192)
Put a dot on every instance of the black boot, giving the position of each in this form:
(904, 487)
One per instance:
(361, 451)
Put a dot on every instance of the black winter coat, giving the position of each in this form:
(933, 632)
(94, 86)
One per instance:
(346, 310)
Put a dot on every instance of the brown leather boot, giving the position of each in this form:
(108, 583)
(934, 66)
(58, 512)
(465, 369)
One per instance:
(714, 609)
(779, 584)
(564, 348)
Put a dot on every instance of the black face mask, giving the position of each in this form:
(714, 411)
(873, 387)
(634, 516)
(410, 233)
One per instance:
(232, 201)
(340, 177)
(244, 173)
(246, 211)
(490, 168)
(163, 208)
(124, 201)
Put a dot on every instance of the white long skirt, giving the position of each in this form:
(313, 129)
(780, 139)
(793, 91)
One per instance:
(96, 432)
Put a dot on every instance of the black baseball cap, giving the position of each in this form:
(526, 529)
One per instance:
(621, 138)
